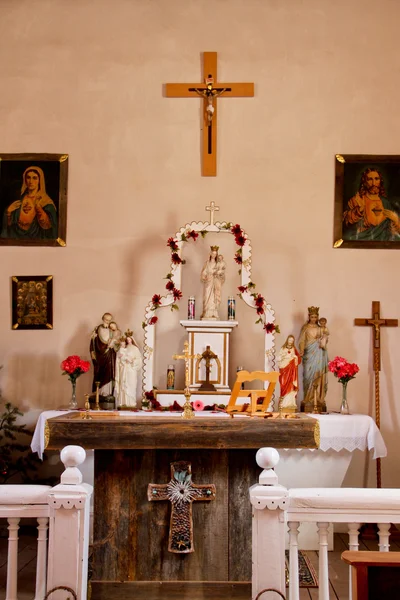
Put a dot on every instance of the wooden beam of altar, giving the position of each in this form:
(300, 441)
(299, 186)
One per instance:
(137, 432)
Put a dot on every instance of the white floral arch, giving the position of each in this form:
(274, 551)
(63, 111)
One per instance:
(248, 296)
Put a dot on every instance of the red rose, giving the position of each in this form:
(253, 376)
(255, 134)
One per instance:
(176, 259)
(177, 294)
(260, 310)
(238, 259)
(156, 300)
(153, 320)
(269, 327)
(240, 240)
(170, 285)
(259, 300)
(193, 234)
(236, 230)
(242, 288)
(172, 244)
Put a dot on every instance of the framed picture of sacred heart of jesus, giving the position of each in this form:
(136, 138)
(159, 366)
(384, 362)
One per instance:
(367, 201)
(33, 199)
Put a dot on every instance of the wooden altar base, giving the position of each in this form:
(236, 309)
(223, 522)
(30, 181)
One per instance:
(174, 590)
(130, 549)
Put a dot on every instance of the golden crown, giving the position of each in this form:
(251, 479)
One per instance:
(313, 310)
(128, 333)
(216, 248)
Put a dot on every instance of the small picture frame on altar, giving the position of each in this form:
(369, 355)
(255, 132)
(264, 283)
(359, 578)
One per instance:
(32, 301)
(33, 199)
(367, 201)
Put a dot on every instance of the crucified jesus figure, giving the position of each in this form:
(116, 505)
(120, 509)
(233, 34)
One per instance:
(209, 94)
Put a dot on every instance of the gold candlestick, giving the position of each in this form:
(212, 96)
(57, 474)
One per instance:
(97, 395)
(188, 412)
(86, 414)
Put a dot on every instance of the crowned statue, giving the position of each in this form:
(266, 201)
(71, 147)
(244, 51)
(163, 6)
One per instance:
(128, 365)
(212, 276)
(313, 350)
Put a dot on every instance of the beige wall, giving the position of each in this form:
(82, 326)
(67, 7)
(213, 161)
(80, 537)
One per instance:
(85, 78)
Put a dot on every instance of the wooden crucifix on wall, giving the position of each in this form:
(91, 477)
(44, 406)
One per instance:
(209, 90)
(377, 322)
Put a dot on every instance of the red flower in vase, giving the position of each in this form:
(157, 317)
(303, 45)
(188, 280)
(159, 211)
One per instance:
(74, 367)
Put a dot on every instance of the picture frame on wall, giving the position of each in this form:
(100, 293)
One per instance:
(32, 301)
(367, 201)
(33, 199)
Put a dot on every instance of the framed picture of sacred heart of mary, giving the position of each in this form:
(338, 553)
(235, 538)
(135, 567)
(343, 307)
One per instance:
(33, 199)
(367, 201)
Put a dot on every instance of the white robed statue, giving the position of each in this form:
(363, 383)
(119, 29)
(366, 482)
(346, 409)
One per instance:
(213, 276)
(128, 364)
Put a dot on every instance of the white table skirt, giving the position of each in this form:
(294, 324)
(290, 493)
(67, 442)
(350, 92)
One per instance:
(338, 432)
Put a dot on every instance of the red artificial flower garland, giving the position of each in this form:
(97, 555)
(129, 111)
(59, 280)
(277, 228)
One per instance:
(240, 240)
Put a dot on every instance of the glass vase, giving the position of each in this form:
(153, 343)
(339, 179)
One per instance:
(73, 405)
(344, 407)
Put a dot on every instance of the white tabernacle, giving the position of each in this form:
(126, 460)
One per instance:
(215, 334)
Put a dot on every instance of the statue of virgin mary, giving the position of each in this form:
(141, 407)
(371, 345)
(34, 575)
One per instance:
(213, 276)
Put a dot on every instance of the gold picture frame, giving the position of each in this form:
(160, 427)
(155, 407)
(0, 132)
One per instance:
(367, 201)
(32, 301)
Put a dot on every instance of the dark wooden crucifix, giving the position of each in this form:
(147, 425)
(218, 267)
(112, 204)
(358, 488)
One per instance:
(208, 355)
(181, 492)
(209, 90)
(376, 322)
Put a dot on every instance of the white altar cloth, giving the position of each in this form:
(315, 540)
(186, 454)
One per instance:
(338, 432)
(350, 432)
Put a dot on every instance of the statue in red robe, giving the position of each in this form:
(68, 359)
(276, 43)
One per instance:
(288, 362)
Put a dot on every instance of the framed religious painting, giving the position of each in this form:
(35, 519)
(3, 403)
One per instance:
(33, 199)
(367, 201)
(32, 301)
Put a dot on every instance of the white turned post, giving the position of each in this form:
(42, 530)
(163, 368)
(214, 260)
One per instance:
(12, 561)
(323, 561)
(69, 504)
(384, 534)
(294, 591)
(41, 562)
(353, 545)
(268, 500)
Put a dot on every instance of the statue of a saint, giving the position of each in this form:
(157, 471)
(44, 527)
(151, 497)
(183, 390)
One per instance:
(128, 365)
(288, 362)
(312, 346)
(103, 354)
(213, 276)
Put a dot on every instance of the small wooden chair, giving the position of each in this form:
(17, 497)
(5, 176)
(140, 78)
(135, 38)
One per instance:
(254, 409)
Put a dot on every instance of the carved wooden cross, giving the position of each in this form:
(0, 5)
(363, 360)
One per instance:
(181, 492)
(376, 322)
(209, 90)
